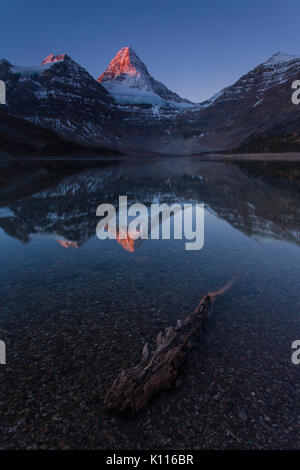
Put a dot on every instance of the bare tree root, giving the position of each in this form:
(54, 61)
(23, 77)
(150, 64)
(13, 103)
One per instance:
(134, 387)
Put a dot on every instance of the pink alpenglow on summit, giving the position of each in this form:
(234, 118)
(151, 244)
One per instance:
(51, 58)
(128, 80)
(125, 62)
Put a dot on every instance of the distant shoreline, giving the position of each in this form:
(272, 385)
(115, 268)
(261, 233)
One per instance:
(288, 156)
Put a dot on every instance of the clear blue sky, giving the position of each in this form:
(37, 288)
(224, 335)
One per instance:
(195, 47)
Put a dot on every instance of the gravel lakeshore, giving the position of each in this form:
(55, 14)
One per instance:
(63, 352)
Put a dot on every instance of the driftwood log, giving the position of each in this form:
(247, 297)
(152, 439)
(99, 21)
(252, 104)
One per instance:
(133, 388)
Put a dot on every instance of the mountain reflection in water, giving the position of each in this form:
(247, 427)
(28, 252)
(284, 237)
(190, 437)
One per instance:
(261, 200)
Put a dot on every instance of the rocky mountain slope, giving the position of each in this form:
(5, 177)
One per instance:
(22, 138)
(258, 104)
(61, 95)
(128, 109)
(255, 114)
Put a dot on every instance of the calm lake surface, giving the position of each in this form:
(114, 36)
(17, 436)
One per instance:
(75, 310)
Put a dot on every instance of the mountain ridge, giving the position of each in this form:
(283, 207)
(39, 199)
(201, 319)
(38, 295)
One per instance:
(61, 95)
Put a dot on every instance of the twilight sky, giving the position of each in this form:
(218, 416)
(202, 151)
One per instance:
(195, 47)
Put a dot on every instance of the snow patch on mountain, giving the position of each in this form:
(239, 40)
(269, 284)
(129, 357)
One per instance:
(125, 93)
(277, 70)
(210, 101)
(26, 70)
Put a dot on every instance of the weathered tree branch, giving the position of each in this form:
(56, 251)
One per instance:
(134, 387)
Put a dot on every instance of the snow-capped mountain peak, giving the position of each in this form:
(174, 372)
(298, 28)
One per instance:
(129, 81)
(28, 71)
(281, 57)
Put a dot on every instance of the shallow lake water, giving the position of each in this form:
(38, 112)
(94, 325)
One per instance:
(75, 310)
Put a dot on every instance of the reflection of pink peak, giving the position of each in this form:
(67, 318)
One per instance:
(67, 243)
(51, 59)
(126, 241)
